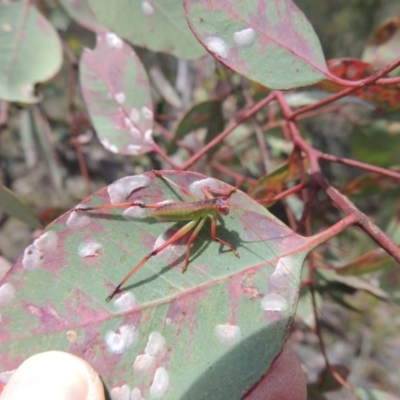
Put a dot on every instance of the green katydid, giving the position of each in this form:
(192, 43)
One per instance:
(196, 212)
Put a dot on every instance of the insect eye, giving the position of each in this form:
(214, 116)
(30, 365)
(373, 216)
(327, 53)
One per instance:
(223, 209)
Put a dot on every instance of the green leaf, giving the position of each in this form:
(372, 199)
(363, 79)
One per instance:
(269, 42)
(207, 114)
(30, 51)
(13, 206)
(225, 320)
(158, 25)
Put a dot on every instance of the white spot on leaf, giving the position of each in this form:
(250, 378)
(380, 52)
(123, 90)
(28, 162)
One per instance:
(34, 254)
(108, 145)
(134, 149)
(159, 242)
(147, 113)
(147, 8)
(135, 212)
(148, 136)
(120, 190)
(113, 40)
(144, 365)
(136, 394)
(78, 219)
(160, 383)
(120, 98)
(134, 115)
(282, 272)
(118, 342)
(7, 294)
(47, 242)
(228, 334)
(32, 257)
(217, 46)
(274, 302)
(155, 345)
(88, 249)
(244, 37)
(121, 392)
(135, 133)
(196, 187)
(5, 266)
(125, 302)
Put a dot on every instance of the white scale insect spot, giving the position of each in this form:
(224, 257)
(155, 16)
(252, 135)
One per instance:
(32, 257)
(160, 383)
(135, 133)
(147, 113)
(217, 46)
(108, 145)
(134, 212)
(34, 253)
(125, 302)
(148, 136)
(136, 394)
(121, 392)
(5, 266)
(274, 302)
(134, 115)
(120, 190)
(155, 345)
(89, 249)
(7, 294)
(144, 365)
(196, 187)
(78, 219)
(134, 149)
(47, 242)
(244, 37)
(282, 272)
(117, 343)
(147, 8)
(159, 242)
(114, 41)
(128, 123)
(120, 98)
(228, 334)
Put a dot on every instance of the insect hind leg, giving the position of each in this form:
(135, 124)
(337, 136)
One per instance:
(217, 239)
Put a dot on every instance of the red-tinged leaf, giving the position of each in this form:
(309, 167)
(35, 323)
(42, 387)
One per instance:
(385, 98)
(270, 42)
(276, 181)
(374, 260)
(225, 320)
(383, 46)
(30, 51)
(158, 25)
(117, 93)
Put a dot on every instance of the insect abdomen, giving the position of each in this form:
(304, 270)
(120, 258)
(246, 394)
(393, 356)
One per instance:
(184, 211)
